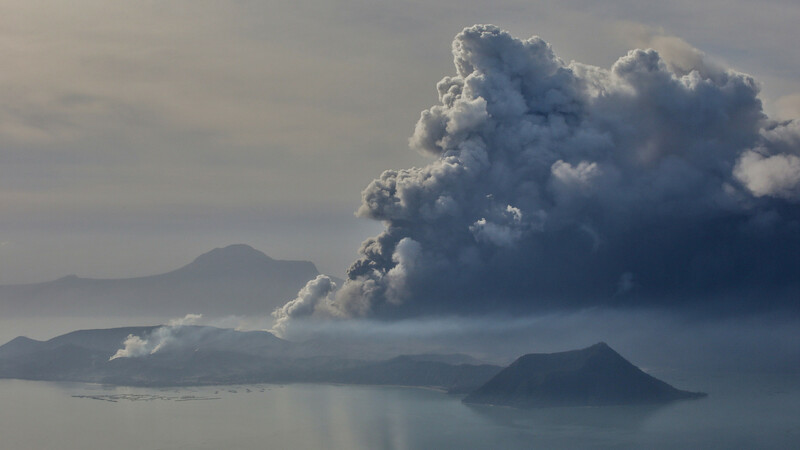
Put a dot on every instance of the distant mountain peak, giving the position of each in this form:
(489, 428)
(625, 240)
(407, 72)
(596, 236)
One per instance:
(236, 279)
(601, 347)
(235, 251)
(232, 257)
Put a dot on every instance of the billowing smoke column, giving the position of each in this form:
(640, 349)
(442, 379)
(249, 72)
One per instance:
(561, 185)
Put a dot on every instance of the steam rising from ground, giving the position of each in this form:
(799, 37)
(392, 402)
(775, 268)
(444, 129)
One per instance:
(135, 346)
(559, 185)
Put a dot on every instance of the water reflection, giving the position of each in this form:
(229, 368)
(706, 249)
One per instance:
(606, 417)
(742, 411)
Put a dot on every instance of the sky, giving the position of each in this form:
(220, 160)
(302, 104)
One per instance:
(136, 136)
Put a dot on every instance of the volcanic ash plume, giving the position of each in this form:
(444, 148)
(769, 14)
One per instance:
(562, 185)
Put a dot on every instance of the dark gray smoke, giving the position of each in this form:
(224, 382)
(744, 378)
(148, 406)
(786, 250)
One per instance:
(562, 185)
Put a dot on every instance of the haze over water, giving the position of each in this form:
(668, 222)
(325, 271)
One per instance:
(742, 411)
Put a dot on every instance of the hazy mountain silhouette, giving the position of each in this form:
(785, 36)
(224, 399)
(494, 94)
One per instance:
(194, 355)
(594, 376)
(237, 279)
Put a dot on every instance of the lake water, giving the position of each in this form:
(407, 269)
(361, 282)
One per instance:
(742, 411)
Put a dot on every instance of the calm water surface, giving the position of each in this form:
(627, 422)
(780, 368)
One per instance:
(742, 411)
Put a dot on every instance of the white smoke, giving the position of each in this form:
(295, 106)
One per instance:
(135, 346)
(314, 293)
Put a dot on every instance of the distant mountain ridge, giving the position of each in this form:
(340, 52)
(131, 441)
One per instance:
(196, 355)
(234, 280)
(202, 355)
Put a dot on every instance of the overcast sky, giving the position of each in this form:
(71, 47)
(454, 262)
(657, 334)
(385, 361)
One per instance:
(136, 135)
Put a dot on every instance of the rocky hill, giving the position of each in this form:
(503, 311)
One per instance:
(594, 376)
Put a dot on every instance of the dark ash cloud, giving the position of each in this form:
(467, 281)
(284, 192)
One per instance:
(659, 182)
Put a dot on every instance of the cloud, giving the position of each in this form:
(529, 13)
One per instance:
(775, 175)
(789, 106)
(564, 185)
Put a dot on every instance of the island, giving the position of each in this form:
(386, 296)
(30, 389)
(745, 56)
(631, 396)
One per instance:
(593, 376)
